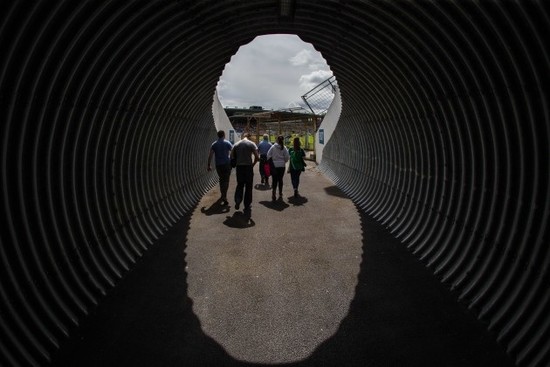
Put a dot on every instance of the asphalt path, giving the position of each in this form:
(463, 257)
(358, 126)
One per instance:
(307, 281)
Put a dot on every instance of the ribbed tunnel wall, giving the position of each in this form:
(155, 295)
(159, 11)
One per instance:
(105, 113)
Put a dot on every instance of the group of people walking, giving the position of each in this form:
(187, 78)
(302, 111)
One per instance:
(244, 155)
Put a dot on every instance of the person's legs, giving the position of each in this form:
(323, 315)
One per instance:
(241, 176)
(295, 178)
(249, 182)
(261, 168)
(267, 172)
(224, 172)
(281, 175)
(275, 182)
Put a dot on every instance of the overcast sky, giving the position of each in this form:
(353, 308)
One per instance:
(273, 72)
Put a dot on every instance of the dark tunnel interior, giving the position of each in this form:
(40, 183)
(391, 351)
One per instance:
(106, 112)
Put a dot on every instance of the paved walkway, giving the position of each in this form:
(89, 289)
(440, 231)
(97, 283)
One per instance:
(272, 288)
(302, 282)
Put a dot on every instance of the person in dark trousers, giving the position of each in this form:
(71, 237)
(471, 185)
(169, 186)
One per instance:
(263, 148)
(221, 150)
(297, 164)
(243, 151)
(278, 153)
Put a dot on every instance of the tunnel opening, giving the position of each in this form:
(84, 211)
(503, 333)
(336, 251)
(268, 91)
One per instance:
(443, 138)
(272, 72)
(276, 85)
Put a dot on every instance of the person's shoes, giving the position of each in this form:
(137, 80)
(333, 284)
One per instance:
(295, 193)
(237, 206)
(223, 202)
(273, 197)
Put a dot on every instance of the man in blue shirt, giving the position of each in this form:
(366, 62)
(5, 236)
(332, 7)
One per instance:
(263, 148)
(221, 149)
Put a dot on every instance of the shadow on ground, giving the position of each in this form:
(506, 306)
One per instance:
(401, 315)
(278, 205)
(215, 208)
(335, 191)
(297, 200)
(239, 220)
(262, 187)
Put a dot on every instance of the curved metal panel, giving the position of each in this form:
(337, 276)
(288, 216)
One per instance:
(443, 137)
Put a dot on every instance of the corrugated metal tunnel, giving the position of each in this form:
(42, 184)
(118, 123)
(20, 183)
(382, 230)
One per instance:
(106, 115)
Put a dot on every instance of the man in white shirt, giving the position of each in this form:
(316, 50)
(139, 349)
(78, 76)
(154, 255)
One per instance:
(243, 151)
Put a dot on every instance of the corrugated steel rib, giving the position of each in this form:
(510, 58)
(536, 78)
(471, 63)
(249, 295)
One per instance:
(106, 116)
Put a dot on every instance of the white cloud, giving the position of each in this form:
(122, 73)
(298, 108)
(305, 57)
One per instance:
(303, 57)
(309, 81)
(271, 71)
